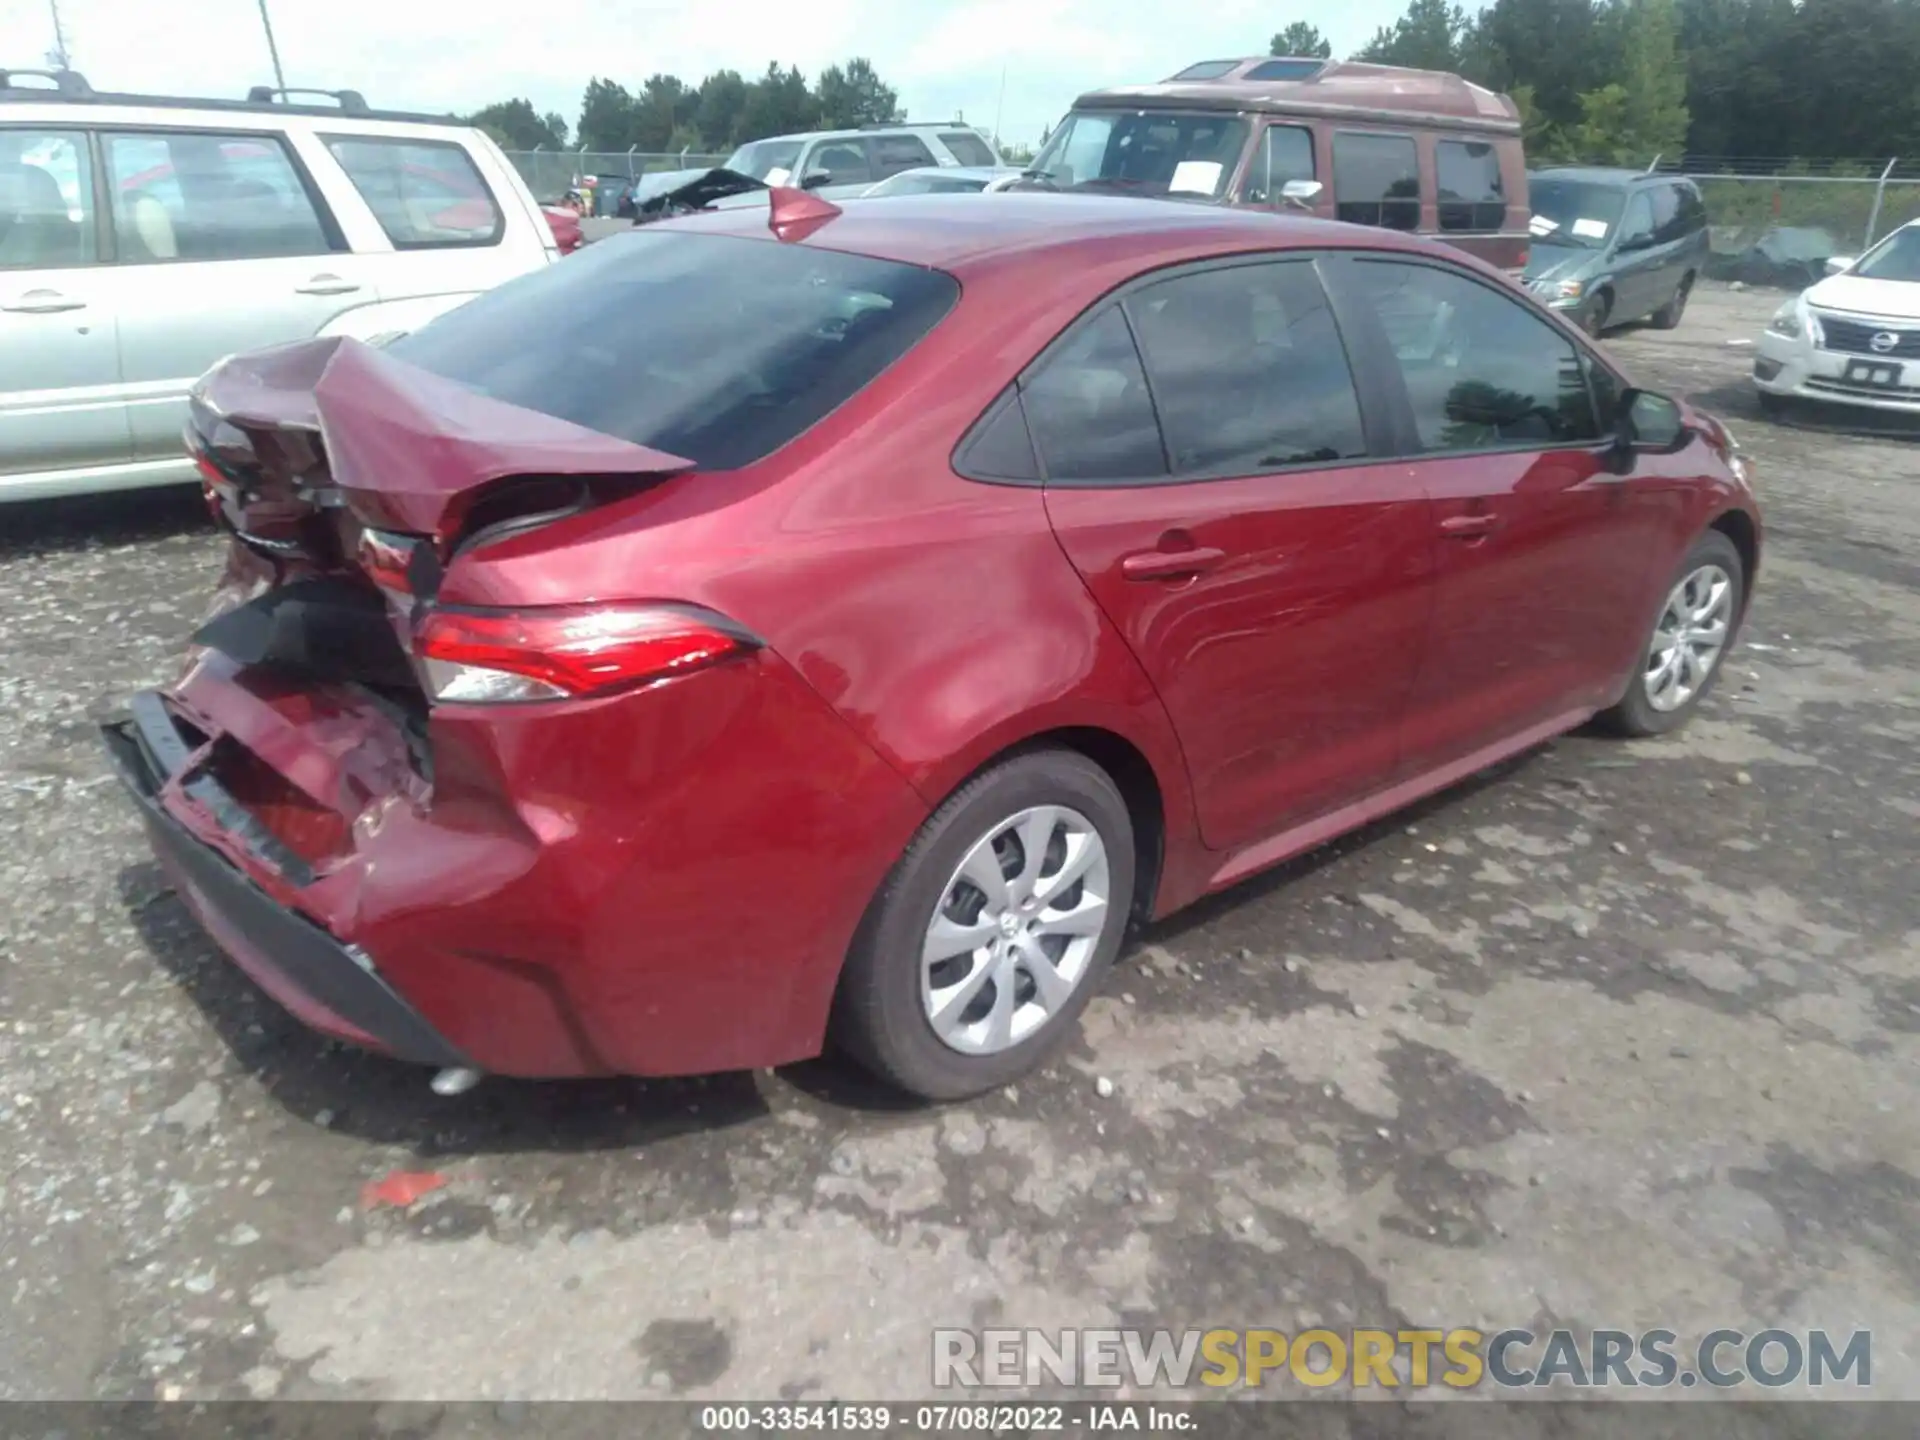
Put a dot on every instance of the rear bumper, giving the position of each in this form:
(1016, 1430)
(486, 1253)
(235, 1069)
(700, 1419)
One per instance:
(329, 986)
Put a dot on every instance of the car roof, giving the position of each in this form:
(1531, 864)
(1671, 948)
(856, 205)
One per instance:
(1598, 174)
(1339, 88)
(955, 232)
(970, 172)
(903, 128)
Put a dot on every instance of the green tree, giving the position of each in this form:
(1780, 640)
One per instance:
(606, 116)
(1300, 38)
(1428, 37)
(778, 103)
(514, 126)
(718, 104)
(855, 95)
(1643, 111)
(662, 106)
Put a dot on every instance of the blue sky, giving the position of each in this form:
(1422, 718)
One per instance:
(943, 55)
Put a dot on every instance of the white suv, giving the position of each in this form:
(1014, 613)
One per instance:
(142, 239)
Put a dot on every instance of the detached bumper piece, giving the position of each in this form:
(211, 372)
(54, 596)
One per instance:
(336, 982)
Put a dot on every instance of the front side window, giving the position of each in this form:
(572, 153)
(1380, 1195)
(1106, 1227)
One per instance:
(1144, 152)
(184, 196)
(46, 200)
(1482, 372)
(1285, 153)
(1247, 369)
(727, 348)
(843, 162)
(1636, 226)
(894, 153)
(425, 194)
(1467, 186)
(1089, 410)
(966, 147)
(1376, 180)
(768, 160)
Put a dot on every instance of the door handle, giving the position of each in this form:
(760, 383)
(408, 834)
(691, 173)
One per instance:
(1170, 564)
(43, 302)
(326, 285)
(1468, 527)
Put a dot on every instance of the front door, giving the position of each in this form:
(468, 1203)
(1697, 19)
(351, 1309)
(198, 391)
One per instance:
(60, 408)
(1272, 578)
(1542, 553)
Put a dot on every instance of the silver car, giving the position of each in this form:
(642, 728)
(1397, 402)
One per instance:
(842, 163)
(949, 180)
(143, 238)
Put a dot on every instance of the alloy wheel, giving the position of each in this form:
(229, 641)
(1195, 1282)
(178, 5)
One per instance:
(1689, 637)
(1015, 931)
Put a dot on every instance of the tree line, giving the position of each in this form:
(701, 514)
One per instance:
(1624, 80)
(667, 115)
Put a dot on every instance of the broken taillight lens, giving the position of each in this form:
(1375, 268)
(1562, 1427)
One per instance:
(488, 657)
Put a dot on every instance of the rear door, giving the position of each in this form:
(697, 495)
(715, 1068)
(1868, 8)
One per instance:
(223, 246)
(893, 154)
(1636, 260)
(1224, 506)
(60, 406)
(1543, 553)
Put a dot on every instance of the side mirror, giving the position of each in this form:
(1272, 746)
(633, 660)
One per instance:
(1837, 264)
(814, 179)
(1301, 193)
(1635, 242)
(1646, 422)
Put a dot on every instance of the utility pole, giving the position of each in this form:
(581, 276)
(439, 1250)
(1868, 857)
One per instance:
(999, 105)
(59, 56)
(279, 79)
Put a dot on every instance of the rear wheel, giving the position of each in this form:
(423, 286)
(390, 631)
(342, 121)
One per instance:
(1594, 319)
(992, 933)
(1667, 317)
(1691, 635)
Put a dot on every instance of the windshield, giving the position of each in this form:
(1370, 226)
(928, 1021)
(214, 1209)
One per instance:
(725, 349)
(1895, 258)
(929, 184)
(762, 158)
(1147, 152)
(1578, 213)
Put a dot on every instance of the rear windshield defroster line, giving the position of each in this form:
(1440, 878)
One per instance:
(718, 348)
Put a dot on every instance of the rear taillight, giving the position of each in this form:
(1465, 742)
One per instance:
(487, 657)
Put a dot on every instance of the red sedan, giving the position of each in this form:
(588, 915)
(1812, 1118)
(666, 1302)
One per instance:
(892, 606)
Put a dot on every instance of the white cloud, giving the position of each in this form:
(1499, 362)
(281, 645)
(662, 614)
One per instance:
(942, 55)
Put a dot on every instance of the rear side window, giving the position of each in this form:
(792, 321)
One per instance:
(182, 196)
(844, 162)
(1376, 180)
(1470, 195)
(1089, 409)
(894, 153)
(1667, 224)
(46, 200)
(426, 194)
(726, 347)
(1285, 153)
(1247, 369)
(1693, 211)
(967, 148)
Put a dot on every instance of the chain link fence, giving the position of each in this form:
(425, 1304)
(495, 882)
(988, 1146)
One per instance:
(550, 174)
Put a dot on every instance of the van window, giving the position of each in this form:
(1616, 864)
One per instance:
(1285, 153)
(1376, 180)
(1693, 210)
(727, 348)
(426, 194)
(1667, 223)
(1286, 69)
(1577, 213)
(1469, 192)
(1159, 152)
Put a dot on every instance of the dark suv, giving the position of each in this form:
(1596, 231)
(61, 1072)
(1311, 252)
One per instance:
(1615, 245)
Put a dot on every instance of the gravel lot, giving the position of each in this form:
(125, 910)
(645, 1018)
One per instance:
(1622, 1034)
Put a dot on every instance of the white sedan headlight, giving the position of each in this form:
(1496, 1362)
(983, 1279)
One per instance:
(1788, 321)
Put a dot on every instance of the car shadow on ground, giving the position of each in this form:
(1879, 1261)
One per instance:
(121, 517)
(1738, 400)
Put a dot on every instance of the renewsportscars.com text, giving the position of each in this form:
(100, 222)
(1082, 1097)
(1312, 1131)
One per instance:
(1460, 1359)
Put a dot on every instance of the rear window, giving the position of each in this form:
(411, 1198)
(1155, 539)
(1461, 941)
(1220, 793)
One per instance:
(426, 194)
(967, 148)
(716, 348)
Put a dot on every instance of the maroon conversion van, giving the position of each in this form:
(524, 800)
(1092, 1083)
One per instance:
(1414, 150)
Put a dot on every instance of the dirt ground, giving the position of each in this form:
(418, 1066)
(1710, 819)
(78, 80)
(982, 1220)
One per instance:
(1621, 1035)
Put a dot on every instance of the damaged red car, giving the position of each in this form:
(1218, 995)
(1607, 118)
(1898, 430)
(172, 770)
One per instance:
(892, 607)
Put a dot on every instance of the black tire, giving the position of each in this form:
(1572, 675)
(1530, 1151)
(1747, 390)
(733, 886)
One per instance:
(1635, 714)
(1667, 317)
(1595, 317)
(879, 1019)
(1771, 405)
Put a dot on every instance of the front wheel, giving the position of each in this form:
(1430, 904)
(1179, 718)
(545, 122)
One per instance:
(1691, 635)
(1594, 319)
(992, 932)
